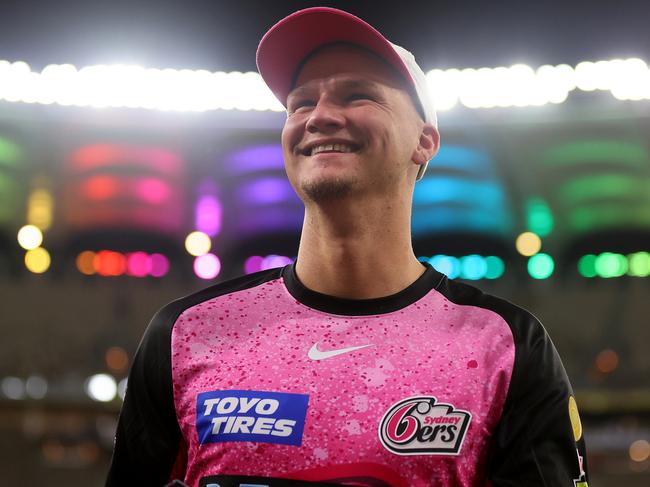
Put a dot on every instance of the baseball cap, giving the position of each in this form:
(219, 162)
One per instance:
(286, 44)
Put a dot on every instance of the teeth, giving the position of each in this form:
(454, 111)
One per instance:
(331, 147)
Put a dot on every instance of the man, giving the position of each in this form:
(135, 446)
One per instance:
(357, 365)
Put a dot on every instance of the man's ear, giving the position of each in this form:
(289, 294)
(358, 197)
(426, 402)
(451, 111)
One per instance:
(428, 144)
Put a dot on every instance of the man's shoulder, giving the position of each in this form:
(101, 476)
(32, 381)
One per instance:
(520, 320)
(167, 315)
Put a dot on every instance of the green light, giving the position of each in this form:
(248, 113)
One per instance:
(472, 267)
(609, 214)
(539, 217)
(609, 264)
(9, 152)
(541, 266)
(589, 151)
(604, 186)
(587, 265)
(495, 267)
(639, 264)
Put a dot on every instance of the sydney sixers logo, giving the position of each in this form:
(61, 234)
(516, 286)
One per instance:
(422, 426)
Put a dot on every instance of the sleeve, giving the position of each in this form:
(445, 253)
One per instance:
(148, 447)
(538, 441)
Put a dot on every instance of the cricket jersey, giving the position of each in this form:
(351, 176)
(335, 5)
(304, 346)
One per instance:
(260, 381)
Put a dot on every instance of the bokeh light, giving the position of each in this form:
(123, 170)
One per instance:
(36, 387)
(207, 266)
(101, 387)
(117, 360)
(446, 264)
(198, 243)
(587, 265)
(528, 243)
(138, 264)
(639, 264)
(473, 267)
(639, 450)
(159, 265)
(609, 264)
(495, 267)
(541, 266)
(253, 264)
(607, 361)
(37, 260)
(85, 262)
(109, 263)
(30, 237)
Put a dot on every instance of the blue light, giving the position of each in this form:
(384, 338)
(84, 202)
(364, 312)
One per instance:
(266, 191)
(473, 267)
(455, 218)
(446, 265)
(440, 190)
(255, 159)
(465, 159)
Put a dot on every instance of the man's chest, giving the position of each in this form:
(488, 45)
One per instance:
(410, 392)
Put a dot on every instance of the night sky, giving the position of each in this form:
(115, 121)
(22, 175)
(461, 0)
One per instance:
(223, 35)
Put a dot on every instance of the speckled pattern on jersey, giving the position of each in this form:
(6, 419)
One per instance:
(258, 339)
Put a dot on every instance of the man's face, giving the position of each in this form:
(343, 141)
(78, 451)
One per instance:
(351, 127)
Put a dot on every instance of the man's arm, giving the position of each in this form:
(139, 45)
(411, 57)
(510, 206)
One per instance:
(148, 442)
(538, 441)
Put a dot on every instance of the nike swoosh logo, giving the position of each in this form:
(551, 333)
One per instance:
(316, 354)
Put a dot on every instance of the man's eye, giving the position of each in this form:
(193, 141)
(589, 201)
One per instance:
(359, 96)
(301, 104)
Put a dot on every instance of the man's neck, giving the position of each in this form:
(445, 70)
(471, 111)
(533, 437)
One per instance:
(357, 254)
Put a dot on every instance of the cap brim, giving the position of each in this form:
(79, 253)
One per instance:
(288, 42)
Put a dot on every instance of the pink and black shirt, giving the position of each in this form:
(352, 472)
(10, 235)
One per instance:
(259, 381)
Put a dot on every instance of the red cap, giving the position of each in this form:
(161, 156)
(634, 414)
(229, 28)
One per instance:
(288, 42)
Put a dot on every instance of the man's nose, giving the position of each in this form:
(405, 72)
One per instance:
(325, 117)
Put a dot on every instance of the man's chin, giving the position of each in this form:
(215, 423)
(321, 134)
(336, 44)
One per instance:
(324, 190)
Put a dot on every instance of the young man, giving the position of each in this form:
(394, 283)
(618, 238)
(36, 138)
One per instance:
(357, 365)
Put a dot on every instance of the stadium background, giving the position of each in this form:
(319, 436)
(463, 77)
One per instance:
(126, 128)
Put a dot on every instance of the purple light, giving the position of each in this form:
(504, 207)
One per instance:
(152, 190)
(207, 266)
(266, 191)
(272, 261)
(208, 215)
(159, 265)
(253, 264)
(138, 264)
(257, 158)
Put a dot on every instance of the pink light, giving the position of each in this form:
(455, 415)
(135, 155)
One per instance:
(152, 190)
(272, 261)
(138, 264)
(207, 266)
(208, 215)
(159, 265)
(253, 264)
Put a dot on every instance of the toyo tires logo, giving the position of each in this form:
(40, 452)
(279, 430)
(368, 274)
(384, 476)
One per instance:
(422, 426)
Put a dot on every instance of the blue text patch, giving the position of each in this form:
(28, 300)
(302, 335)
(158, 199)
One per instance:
(267, 417)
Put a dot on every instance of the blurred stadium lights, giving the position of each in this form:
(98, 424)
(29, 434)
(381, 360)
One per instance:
(133, 86)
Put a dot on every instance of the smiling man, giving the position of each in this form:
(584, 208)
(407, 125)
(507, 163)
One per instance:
(357, 365)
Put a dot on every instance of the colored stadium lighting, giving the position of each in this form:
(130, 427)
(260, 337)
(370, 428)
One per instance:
(447, 265)
(39, 209)
(100, 187)
(587, 265)
(495, 267)
(159, 265)
(86, 262)
(528, 244)
(539, 217)
(473, 267)
(198, 243)
(30, 237)
(152, 190)
(639, 264)
(109, 263)
(609, 264)
(639, 450)
(208, 215)
(101, 387)
(138, 264)
(541, 266)
(207, 266)
(272, 261)
(37, 260)
(253, 264)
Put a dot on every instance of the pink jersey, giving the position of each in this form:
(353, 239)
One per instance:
(274, 384)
